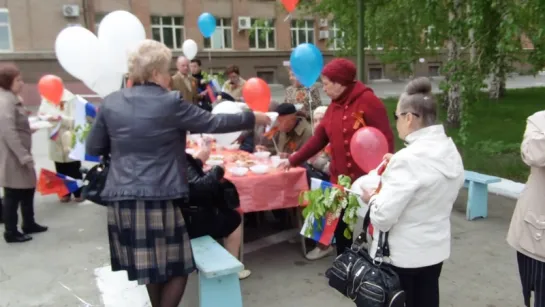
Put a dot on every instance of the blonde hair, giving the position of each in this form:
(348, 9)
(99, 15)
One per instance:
(149, 56)
(319, 111)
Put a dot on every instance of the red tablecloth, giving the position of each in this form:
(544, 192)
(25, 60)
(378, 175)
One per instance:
(276, 190)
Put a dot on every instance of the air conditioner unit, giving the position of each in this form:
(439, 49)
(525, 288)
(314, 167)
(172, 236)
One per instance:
(324, 34)
(323, 22)
(70, 10)
(244, 23)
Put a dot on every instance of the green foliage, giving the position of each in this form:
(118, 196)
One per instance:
(80, 133)
(331, 201)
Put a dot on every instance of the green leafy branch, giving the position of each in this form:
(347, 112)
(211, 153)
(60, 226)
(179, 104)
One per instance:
(333, 200)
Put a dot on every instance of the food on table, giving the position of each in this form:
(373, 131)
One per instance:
(216, 157)
(214, 162)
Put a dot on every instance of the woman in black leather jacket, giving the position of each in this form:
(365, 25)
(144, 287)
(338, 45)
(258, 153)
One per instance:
(210, 211)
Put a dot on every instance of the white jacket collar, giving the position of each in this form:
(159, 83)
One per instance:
(426, 133)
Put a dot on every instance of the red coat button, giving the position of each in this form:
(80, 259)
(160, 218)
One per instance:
(352, 175)
(346, 107)
(344, 130)
(348, 154)
(344, 117)
(346, 142)
(349, 165)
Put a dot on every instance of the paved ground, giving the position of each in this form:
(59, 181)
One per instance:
(67, 266)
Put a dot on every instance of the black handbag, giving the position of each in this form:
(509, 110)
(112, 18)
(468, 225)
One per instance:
(369, 282)
(230, 195)
(94, 182)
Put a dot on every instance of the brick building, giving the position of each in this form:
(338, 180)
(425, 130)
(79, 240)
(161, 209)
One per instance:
(252, 34)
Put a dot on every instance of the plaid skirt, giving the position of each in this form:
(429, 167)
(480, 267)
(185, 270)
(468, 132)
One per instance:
(149, 240)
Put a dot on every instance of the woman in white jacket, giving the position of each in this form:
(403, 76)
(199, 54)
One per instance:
(419, 187)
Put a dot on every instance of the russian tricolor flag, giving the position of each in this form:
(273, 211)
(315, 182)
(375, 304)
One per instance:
(54, 183)
(55, 132)
(85, 112)
(323, 230)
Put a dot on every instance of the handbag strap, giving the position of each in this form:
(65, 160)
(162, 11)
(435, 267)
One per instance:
(383, 247)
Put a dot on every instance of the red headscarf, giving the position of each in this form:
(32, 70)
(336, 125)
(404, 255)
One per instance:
(340, 71)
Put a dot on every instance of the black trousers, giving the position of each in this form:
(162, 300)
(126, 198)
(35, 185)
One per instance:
(12, 199)
(421, 285)
(71, 169)
(532, 278)
(341, 242)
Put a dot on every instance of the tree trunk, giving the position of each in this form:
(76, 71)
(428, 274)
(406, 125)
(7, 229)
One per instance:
(454, 110)
(499, 75)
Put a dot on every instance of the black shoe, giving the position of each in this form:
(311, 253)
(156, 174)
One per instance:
(34, 228)
(16, 237)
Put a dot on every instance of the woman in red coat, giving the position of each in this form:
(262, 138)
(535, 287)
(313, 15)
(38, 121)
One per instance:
(353, 105)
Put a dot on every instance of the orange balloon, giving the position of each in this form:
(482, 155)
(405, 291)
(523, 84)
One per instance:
(51, 88)
(257, 94)
(290, 5)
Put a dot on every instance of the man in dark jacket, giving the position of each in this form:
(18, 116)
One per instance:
(209, 211)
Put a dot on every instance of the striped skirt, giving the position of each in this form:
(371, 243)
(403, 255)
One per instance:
(532, 277)
(149, 240)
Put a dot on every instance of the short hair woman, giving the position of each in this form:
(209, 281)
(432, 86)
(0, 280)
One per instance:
(17, 174)
(144, 130)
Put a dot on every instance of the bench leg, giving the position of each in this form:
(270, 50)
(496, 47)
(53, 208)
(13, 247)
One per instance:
(477, 201)
(223, 291)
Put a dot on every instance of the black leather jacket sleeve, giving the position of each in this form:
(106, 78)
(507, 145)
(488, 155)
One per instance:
(98, 140)
(203, 187)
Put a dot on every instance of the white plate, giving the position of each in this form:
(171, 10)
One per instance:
(260, 169)
(40, 125)
(190, 151)
(238, 171)
(262, 154)
(214, 162)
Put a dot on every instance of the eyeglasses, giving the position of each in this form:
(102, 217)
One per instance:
(396, 117)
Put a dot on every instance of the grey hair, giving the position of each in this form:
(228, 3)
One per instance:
(418, 99)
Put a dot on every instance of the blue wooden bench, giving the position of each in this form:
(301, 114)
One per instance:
(219, 285)
(477, 196)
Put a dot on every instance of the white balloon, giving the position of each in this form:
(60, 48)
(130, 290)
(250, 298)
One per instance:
(108, 81)
(226, 107)
(77, 50)
(119, 33)
(190, 49)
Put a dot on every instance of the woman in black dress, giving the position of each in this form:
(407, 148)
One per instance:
(143, 130)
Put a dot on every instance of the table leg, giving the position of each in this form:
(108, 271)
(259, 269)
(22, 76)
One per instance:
(299, 219)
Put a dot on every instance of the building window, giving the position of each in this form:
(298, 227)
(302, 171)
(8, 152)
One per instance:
(431, 38)
(168, 30)
(266, 75)
(434, 70)
(302, 31)
(6, 43)
(335, 37)
(375, 73)
(222, 37)
(263, 35)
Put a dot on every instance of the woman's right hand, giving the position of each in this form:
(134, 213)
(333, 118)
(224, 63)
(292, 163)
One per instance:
(262, 119)
(387, 157)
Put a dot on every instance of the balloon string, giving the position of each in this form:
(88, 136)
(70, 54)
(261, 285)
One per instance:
(287, 17)
(310, 109)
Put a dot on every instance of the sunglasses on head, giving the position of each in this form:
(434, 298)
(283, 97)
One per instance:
(396, 117)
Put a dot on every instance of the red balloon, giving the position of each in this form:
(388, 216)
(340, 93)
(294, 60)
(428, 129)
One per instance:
(290, 5)
(51, 88)
(257, 94)
(368, 147)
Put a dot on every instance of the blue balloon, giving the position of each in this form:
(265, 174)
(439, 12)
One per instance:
(207, 24)
(306, 62)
